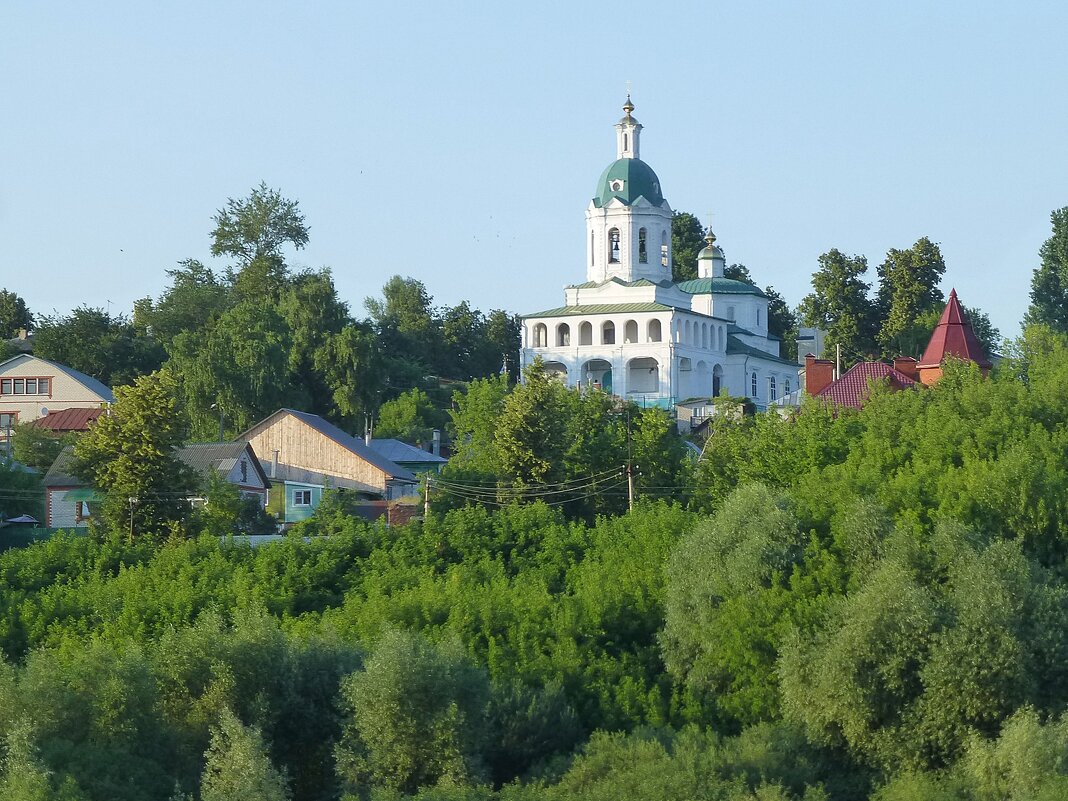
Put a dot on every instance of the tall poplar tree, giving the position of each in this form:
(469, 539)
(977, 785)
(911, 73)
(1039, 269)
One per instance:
(908, 288)
(1049, 284)
(839, 303)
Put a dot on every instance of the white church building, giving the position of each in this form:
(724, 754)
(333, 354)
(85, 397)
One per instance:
(631, 330)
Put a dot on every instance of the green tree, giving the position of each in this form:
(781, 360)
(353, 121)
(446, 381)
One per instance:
(1049, 283)
(687, 240)
(417, 716)
(38, 447)
(314, 315)
(350, 363)
(782, 322)
(193, 301)
(96, 343)
(738, 272)
(840, 305)
(14, 314)
(530, 436)
(129, 455)
(908, 287)
(410, 417)
(256, 227)
(24, 777)
(237, 766)
(239, 370)
(474, 425)
(20, 492)
(724, 604)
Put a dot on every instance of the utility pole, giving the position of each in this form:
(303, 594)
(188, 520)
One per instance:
(132, 502)
(426, 498)
(630, 486)
(837, 361)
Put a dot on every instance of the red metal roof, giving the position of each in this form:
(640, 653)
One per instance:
(68, 419)
(953, 336)
(853, 388)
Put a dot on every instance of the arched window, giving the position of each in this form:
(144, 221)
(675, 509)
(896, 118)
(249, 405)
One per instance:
(613, 246)
(592, 251)
(563, 335)
(630, 332)
(663, 249)
(643, 253)
(730, 312)
(758, 316)
(772, 391)
(608, 333)
(754, 384)
(704, 335)
(541, 335)
(654, 330)
(786, 387)
(625, 148)
(717, 380)
(585, 333)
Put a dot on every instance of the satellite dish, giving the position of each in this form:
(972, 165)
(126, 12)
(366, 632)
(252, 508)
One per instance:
(44, 411)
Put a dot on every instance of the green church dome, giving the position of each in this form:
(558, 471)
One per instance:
(628, 179)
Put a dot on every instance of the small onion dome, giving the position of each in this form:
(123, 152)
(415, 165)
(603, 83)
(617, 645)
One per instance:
(710, 250)
(628, 107)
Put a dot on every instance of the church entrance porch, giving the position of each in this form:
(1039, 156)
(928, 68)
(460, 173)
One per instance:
(597, 373)
(643, 377)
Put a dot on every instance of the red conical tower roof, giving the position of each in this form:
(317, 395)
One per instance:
(953, 336)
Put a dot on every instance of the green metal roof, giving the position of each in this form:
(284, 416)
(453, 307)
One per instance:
(735, 345)
(621, 282)
(602, 308)
(638, 180)
(719, 286)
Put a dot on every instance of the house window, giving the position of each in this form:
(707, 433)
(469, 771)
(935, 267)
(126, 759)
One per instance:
(25, 386)
(643, 253)
(772, 391)
(786, 387)
(244, 471)
(754, 382)
(302, 497)
(613, 246)
(8, 420)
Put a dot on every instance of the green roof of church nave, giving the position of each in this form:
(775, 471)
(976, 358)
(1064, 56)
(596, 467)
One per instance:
(638, 179)
(719, 286)
(602, 308)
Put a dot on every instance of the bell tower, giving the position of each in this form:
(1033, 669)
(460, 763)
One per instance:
(628, 222)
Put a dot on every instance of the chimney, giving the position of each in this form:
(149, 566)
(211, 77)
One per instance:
(274, 464)
(435, 446)
(819, 373)
(908, 366)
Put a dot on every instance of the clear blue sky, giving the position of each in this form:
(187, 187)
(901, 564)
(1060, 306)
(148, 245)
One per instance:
(459, 143)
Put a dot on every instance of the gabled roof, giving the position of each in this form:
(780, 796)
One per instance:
(203, 457)
(854, 387)
(68, 419)
(58, 474)
(953, 337)
(87, 380)
(350, 443)
(397, 451)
